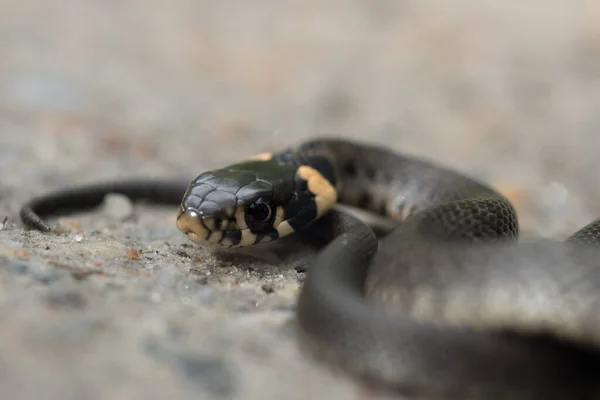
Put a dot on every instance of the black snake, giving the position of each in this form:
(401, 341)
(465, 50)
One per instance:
(451, 304)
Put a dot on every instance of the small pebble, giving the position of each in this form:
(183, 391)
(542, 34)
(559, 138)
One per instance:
(117, 207)
(132, 254)
(268, 288)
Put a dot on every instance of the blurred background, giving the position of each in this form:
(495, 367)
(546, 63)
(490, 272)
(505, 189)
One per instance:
(508, 92)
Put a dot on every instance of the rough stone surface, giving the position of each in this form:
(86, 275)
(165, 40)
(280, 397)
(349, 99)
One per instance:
(120, 305)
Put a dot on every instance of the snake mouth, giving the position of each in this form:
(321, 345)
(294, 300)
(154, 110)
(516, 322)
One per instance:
(218, 232)
(203, 230)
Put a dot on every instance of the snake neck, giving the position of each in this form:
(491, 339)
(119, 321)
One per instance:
(378, 180)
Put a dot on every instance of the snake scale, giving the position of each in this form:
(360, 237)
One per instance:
(450, 305)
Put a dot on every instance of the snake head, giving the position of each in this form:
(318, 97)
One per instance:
(253, 202)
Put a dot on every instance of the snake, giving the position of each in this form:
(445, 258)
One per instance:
(451, 303)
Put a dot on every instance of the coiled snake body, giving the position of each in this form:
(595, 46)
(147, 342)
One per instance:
(450, 305)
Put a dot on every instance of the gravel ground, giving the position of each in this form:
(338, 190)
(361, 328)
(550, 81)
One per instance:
(121, 306)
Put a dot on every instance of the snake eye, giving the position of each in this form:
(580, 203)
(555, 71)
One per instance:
(259, 211)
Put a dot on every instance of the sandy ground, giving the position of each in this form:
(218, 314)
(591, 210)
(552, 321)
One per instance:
(92, 90)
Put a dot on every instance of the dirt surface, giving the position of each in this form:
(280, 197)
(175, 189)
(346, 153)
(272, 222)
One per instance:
(123, 307)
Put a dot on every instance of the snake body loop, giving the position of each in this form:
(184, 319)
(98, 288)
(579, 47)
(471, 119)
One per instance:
(451, 304)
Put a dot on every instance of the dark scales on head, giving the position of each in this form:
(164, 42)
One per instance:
(205, 192)
(278, 178)
(247, 181)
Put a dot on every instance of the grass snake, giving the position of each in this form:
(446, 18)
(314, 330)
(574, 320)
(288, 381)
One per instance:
(450, 304)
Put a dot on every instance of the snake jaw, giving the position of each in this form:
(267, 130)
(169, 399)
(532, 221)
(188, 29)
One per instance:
(215, 232)
(205, 232)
